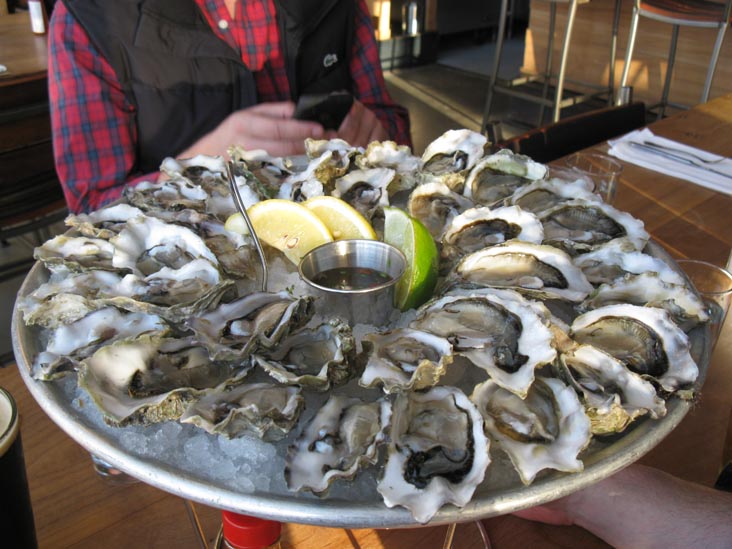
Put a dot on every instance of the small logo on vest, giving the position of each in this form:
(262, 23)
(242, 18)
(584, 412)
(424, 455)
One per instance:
(329, 60)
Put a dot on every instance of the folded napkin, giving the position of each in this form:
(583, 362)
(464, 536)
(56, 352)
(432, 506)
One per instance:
(674, 159)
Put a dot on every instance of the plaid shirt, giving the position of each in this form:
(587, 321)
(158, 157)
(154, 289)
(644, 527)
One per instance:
(94, 129)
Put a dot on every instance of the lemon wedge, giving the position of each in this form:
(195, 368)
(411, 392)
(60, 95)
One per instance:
(288, 226)
(342, 219)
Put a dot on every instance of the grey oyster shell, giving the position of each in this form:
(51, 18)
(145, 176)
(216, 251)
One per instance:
(612, 395)
(343, 436)
(365, 190)
(681, 302)
(149, 379)
(76, 253)
(265, 410)
(499, 175)
(450, 156)
(104, 223)
(547, 429)
(544, 194)
(645, 339)
(438, 452)
(316, 358)
(232, 330)
(579, 226)
(538, 270)
(435, 205)
(70, 343)
(404, 359)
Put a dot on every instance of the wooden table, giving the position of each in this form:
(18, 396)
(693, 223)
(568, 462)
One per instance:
(74, 507)
(25, 55)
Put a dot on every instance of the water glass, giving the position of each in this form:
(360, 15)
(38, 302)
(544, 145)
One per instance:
(714, 284)
(602, 170)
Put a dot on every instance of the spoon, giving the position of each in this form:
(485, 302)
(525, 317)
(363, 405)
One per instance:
(243, 211)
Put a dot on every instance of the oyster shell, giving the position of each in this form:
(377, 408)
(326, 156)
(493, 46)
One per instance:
(498, 176)
(435, 205)
(645, 339)
(682, 303)
(547, 429)
(478, 228)
(149, 380)
(613, 396)
(438, 452)
(265, 410)
(232, 330)
(544, 194)
(404, 360)
(76, 253)
(579, 226)
(365, 190)
(343, 436)
(105, 222)
(452, 154)
(316, 358)
(387, 154)
(535, 269)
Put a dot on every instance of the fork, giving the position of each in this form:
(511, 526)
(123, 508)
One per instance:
(685, 153)
(677, 156)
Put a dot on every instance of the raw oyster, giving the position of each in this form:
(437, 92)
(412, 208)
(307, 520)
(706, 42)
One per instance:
(620, 256)
(543, 194)
(104, 223)
(76, 253)
(266, 173)
(365, 190)
(481, 227)
(68, 344)
(579, 226)
(149, 380)
(498, 331)
(435, 205)
(315, 358)
(387, 154)
(683, 304)
(265, 410)
(404, 359)
(233, 329)
(498, 176)
(455, 151)
(538, 270)
(547, 429)
(438, 452)
(170, 195)
(645, 339)
(613, 396)
(198, 166)
(146, 245)
(342, 437)
(235, 253)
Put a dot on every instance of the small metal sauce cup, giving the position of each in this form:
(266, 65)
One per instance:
(373, 305)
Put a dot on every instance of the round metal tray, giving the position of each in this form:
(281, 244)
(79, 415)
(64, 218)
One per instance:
(354, 504)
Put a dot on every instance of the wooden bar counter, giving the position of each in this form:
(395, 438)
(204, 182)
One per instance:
(589, 56)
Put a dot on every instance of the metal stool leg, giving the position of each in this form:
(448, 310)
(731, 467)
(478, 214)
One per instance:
(549, 59)
(629, 51)
(558, 96)
(669, 72)
(496, 64)
(613, 55)
(714, 59)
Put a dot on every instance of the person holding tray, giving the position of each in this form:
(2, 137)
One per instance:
(131, 83)
(644, 507)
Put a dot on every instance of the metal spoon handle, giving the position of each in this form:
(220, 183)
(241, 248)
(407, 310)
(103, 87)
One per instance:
(243, 211)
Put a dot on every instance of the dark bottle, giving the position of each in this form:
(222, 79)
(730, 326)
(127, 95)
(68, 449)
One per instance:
(245, 532)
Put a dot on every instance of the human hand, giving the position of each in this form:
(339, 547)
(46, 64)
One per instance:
(268, 126)
(361, 127)
(554, 513)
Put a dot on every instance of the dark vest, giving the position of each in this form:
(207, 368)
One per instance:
(184, 80)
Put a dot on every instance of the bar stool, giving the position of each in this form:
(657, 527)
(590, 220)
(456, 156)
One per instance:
(508, 87)
(689, 13)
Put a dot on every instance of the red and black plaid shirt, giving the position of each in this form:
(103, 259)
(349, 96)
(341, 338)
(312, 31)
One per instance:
(94, 132)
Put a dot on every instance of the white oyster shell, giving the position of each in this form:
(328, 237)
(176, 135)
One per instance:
(365, 190)
(404, 359)
(547, 429)
(645, 339)
(453, 151)
(343, 436)
(438, 452)
(498, 176)
(435, 205)
(265, 410)
(543, 194)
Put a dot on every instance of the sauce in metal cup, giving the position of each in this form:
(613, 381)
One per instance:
(355, 279)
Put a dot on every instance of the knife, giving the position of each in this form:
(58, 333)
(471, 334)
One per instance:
(676, 157)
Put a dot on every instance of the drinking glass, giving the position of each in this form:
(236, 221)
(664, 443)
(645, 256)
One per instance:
(602, 170)
(714, 284)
